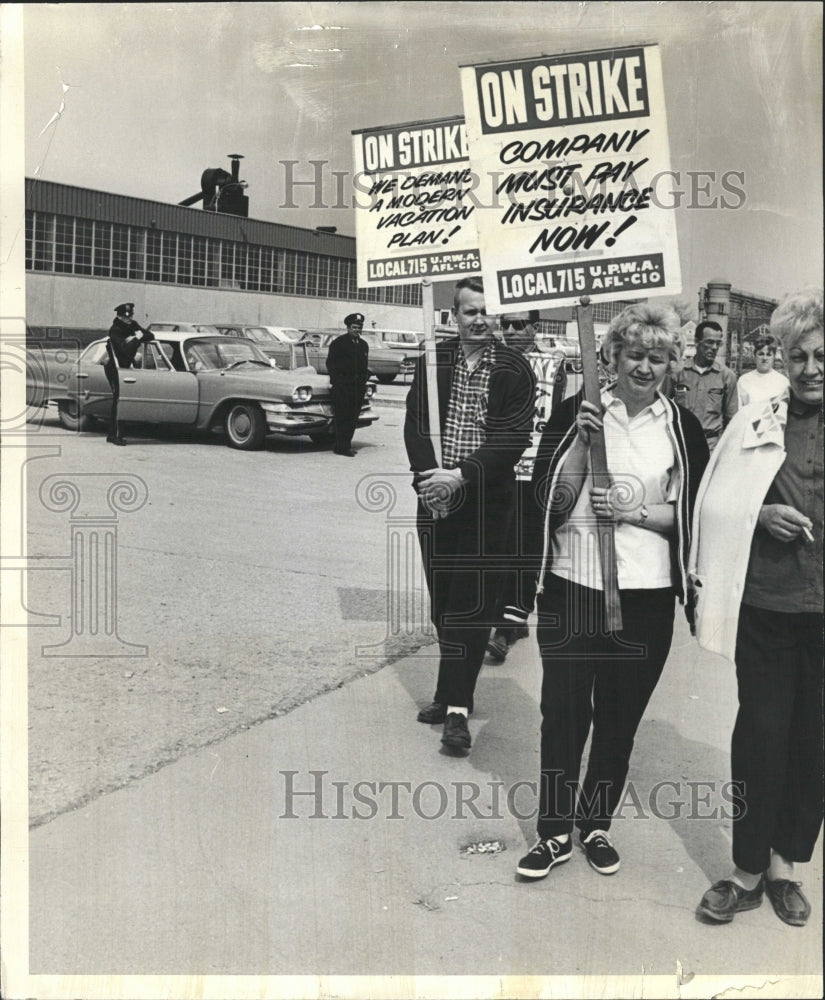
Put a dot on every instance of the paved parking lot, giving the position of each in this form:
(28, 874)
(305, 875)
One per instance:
(173, 793)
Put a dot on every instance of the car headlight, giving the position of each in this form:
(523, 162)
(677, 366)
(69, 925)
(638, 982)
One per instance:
(303, 394)
(370, 390)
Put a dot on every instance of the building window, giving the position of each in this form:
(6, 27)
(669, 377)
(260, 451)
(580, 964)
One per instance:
(287, 260)
(184, 262)
(63, 244)
(120, 251)
(168, 253)
(103, 249)
(29, 239)
(153, 255)
(83, 244)
(310, 283)
(240, 265)
(137, 253)
(213, 263)
(266, 269)
(44, 242)
(199, 261)
(227, 275)
(253, 269)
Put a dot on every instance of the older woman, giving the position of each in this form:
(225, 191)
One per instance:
(764, 382)
(757, 564)
(656, 452)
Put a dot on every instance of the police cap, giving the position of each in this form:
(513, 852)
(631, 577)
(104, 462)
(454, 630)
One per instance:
(354, 318)
(126, 309)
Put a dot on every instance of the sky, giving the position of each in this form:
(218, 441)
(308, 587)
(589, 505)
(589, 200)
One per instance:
(158, 92)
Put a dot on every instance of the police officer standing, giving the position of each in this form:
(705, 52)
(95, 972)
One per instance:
(125, 336)
(348, 370)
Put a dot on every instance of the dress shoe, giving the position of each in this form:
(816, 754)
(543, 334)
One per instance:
(725, 899)
(788, 901)
(456, 734)
(341, 451)
(116, 440)
(432, 714)
(498, 646)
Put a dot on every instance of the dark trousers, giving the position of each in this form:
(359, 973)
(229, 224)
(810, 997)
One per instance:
(113, 378)
(346, 408)
(777, 746)
(462, 562)
(517, 591)
(593, 677)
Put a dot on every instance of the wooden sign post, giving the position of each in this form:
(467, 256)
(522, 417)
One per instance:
(430, 368)
(598, 465)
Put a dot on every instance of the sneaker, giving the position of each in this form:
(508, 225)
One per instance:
(541, 858)
(601, 854)
(456, 734)
(499, 645)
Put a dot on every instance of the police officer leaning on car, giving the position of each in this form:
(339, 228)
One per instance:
(125, 337)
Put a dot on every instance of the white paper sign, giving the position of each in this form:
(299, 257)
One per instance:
(415, 209)
(572, 154)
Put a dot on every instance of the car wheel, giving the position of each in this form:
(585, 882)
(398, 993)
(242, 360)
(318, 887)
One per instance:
(385, 379)
(246, 426)
(69, 415)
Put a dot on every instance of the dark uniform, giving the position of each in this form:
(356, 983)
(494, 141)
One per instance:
(348, 370)
(122, 346)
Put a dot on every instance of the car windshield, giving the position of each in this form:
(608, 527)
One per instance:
(259, 335)
(213, 355)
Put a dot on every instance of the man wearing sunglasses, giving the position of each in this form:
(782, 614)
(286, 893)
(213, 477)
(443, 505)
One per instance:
(517, 593)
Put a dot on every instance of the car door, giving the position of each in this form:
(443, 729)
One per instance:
(88, 382)
(153, 392)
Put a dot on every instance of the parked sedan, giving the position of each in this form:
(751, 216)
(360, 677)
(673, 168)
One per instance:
(384, 363)
(206, 382)
(263, 336)
(176, 327)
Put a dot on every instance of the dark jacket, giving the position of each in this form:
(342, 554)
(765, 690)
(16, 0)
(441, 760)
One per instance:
(508, 421)
(348, 361)
(123, 349)
(556, 504)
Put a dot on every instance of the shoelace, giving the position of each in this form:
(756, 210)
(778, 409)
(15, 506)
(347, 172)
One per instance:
(553, 845)
(600, 840)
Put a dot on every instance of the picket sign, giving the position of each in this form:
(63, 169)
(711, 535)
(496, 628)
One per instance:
(430, 368)
(606, 531)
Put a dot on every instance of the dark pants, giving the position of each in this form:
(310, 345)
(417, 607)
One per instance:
(459, 555)
(517, 590)
(112, 376)
(777, 747)
(593, 677)
(347, 401)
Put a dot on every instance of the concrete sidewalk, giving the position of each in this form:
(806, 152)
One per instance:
(222, 863)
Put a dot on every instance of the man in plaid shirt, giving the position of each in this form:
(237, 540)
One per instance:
(486, 395)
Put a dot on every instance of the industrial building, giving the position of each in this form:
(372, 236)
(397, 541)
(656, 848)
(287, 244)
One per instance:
(87, 251)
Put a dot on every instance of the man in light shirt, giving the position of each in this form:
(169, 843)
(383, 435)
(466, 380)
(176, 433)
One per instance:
(707, 387)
